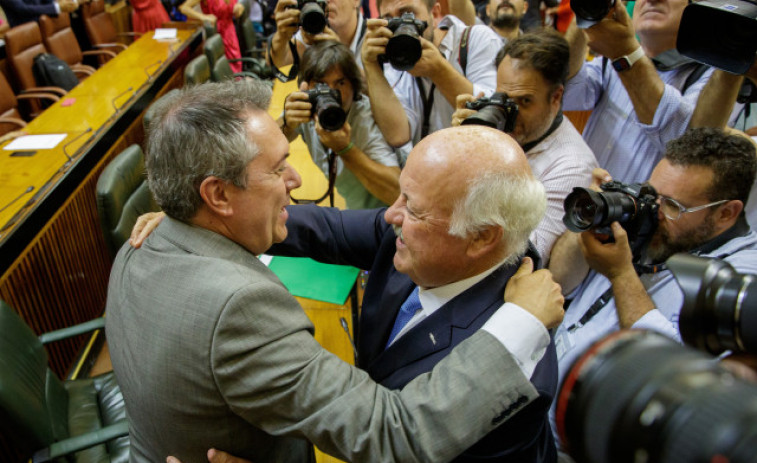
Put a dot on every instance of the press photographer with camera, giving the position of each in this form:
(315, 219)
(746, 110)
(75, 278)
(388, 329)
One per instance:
(453, 59)
(333, 116)
(342, 19)
(641, 92)
(700, 186)
(531, 72)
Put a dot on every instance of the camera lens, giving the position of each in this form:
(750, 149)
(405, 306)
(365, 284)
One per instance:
(312, 18)
(404, 48)
(586, 209)
(490, 116)
(639, 396)
(590, 12)
(719, 310)
(331, 116)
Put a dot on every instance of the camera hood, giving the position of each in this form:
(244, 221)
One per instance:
(721, 33)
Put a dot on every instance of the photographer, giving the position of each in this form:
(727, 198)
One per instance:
(367, 167)
(346, 24)
(531, 70)
(641, 92)
(409, 105)
(702, 184)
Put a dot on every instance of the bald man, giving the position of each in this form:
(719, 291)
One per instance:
(462, 231)
(210, 349)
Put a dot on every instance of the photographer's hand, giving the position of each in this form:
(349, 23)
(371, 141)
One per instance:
(327, 34)
(377, 35)
(287, 23)
(598, 177)
(614, 36)
(297, 109)
(461, 112)
(337, 140)
(615, 262)
(434, 66)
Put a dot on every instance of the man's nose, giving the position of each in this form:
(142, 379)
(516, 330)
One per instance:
(293, 180)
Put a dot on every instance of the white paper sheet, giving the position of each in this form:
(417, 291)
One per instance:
(164, 34)
(36, 142)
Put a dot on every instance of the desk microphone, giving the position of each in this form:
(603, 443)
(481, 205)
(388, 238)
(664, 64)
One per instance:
(149, 75)
(113, 101)
(346, 329)
(28, 190)
(70, 158)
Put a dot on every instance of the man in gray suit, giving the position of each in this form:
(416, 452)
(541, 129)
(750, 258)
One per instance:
(211, 350)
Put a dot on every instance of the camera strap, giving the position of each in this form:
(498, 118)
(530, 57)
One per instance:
(294, 70)
(428, 102)
(330, 190)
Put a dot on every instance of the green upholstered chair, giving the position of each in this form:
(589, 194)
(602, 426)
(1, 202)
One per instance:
(197, 71)
(53, 420)
(219, 64)
(249, 41)
(122, 196)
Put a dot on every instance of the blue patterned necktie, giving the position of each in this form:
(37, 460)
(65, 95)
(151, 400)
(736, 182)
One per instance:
(411, 305)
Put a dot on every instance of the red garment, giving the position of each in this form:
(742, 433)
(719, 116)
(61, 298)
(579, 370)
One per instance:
(147, 15)
(564, 16)
(225, 26)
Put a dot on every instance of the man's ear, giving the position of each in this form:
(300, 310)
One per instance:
(485, 241)
(215, 194)
(525, 7)
(436, 13)
(555, 99)
(729, 212)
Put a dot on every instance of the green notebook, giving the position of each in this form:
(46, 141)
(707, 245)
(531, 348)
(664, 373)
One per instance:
(305, 277)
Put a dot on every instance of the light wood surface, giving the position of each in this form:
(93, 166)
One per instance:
(92, 104)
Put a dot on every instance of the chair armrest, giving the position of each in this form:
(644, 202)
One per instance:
(247, 74)
(13, 120)
(246, 60)
(129, 34)
(56, 90)
(99, 52)
(64, 333)
(84, 441)
(34, 95)
(120, 46)
(83, 69)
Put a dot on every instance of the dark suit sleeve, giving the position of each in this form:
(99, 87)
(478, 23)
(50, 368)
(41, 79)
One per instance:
(329, 235)
(19, 11)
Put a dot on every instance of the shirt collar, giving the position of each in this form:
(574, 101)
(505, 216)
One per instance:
(433, 298)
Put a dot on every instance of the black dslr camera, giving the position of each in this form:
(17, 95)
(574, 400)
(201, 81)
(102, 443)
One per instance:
(719, 309)
(633, 205)
(327, 104)
(312, 15)
(404, 48)
(590, 12)
(498, 111)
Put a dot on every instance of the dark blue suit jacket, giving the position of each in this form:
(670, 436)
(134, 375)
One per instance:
(364, 240)
(23, 11)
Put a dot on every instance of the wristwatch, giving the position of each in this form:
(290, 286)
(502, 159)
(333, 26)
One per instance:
(624, 63)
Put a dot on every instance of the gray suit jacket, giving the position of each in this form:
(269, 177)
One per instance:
(211, 350)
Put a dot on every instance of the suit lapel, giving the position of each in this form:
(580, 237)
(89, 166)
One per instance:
(435, 333)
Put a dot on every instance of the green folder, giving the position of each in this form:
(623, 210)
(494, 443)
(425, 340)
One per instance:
(307, 278)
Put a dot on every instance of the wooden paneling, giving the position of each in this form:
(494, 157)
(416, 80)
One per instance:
(59, 265)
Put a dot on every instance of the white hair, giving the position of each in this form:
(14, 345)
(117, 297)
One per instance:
(514, 202)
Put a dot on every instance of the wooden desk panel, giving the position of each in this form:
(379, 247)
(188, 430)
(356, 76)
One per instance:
(54, 264)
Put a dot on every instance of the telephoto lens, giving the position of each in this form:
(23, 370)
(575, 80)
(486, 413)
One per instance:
(637, 396)
(719, 310)
(590, 12)
(498, 111)
(312, 15)
(404, 48)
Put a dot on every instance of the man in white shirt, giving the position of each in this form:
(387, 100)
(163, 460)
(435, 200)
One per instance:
(346, 24)
(531, 70)
(407, 105)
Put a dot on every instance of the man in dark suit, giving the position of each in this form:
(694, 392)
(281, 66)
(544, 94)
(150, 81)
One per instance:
(24, 11)
(463, 228)
(209, 348)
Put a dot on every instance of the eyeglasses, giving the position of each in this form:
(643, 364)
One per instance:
(673, 210)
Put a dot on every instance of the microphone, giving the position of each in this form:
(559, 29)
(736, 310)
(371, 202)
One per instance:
(149, 76)
(28, 190)
(70, 158)
(346, 329)
(113, 101)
